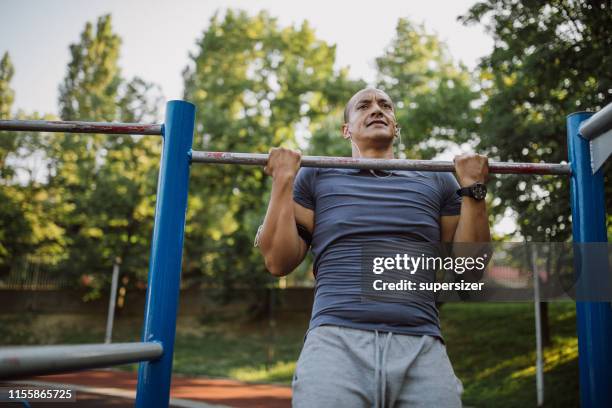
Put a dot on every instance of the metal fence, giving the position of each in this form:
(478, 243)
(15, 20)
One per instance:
(31, 273)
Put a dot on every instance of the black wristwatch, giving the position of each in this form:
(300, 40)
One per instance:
(477, 191)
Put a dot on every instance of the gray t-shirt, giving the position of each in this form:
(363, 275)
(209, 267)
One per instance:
(354, 209)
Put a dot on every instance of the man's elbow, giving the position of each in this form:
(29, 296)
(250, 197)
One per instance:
(276, 268)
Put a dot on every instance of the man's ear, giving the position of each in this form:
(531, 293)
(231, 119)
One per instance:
(345, 131)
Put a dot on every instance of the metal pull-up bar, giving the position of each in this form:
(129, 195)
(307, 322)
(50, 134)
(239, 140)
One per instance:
(255, 159)
(113, 128)
(20, 362)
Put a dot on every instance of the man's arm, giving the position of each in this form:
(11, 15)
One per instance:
(448, 226)
(472, 224)
(282, 247)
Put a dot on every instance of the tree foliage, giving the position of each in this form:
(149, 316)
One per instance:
(13, 225)
(27, 228)
(85, 200)
(256, 85)
(7, 94)
(434, 97)
(108, 182)
(433, 94)
(549, 60)
(91, 85)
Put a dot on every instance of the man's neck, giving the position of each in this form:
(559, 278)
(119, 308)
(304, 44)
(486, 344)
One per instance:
(373, 153)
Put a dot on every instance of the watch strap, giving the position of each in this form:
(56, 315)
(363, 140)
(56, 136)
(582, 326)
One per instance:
(469, 191)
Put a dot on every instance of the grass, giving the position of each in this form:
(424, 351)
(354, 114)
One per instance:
(492, 347)
(248, 352)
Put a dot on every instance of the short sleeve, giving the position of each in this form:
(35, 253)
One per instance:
(303, 187)
(451, 201)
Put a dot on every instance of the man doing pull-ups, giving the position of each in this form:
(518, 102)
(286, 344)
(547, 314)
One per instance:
(366, 353)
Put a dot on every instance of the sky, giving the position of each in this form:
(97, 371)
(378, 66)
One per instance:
(159, 35)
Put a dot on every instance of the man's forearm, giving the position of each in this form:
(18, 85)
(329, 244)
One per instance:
(279, 241)
(473, 223)
(473, 227)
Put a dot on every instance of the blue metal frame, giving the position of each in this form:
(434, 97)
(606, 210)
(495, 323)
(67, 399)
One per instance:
(166, 254)
(594, 319)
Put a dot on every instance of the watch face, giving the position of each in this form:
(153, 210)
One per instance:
(479, 191)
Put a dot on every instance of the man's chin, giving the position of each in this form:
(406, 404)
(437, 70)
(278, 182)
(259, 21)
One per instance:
(382, 135)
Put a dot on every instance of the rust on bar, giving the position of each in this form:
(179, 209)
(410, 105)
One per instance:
(81, 127)
(259, 159)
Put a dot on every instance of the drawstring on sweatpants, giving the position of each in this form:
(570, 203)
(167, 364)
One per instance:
(380, 366)
(380, 370)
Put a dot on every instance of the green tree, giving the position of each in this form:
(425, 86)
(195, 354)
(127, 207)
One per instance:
(256, 85)
(549, 59)
(89, 90)
(326, 139)
(26, 222)
(433, 95)
(12, 221)
(107, 182)
(7, 95)
(76, 202)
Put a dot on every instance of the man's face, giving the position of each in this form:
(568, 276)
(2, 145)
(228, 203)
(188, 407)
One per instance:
(370, 116)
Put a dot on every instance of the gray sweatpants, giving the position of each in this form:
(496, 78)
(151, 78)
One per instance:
(344, 367)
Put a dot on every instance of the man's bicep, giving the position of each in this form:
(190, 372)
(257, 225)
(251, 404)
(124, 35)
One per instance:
(304, 217)
(448, 226)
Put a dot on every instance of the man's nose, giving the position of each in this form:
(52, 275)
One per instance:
(376, 110)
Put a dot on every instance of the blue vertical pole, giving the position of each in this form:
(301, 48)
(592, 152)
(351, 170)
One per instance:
(594, 319)
(166, 254)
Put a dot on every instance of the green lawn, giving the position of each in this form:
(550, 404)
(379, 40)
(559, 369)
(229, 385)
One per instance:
(492, 347)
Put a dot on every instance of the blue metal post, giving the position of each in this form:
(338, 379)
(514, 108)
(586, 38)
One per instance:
(594, 319)
(166, 254)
